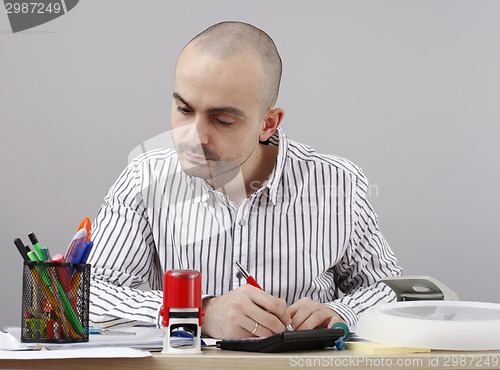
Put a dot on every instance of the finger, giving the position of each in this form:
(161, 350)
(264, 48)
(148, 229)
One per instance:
(227, 316)
(300, 311)
(335, 319)
(259, 330)
(332, 322)
(266, 319)
(299, 317)
(252, 328)
(242, 326)
(293, 309)
(317, 319)
(273, 305)
(249, 324)
(276, 306)
(301, 303)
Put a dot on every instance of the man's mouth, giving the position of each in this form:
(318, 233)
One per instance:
(196, 158)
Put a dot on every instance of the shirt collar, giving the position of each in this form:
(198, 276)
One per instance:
(199, 187)
(280, 139)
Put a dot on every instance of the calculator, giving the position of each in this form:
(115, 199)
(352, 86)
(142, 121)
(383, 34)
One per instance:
(300, 340)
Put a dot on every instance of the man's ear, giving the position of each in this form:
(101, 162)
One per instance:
(271, 121)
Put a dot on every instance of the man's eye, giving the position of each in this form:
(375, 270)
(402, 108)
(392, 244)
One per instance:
(224, 123)
(184, 110)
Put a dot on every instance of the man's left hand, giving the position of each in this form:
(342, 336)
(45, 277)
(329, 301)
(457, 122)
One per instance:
(308, 314)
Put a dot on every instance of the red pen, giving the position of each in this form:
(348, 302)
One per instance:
(252, 282)
(248, 277)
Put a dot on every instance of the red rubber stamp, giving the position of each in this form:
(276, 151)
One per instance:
(182, 312)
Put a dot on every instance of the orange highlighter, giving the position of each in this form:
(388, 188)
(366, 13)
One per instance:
(85, 224)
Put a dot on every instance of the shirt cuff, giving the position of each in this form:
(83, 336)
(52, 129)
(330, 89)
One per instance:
(159, 318)
(346, 312)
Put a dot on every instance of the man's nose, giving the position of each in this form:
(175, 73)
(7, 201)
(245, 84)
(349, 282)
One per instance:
(198, 133)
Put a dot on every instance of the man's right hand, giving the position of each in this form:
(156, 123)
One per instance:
(236, 314)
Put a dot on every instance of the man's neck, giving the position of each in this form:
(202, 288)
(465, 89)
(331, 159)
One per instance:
(247, 179)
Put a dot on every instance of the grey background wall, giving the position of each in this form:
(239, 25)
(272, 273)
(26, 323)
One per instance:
(409, 90)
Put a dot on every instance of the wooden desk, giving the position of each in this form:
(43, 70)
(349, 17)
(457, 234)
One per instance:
(212, 358)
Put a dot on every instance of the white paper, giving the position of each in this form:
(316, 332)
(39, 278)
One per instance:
(150, 338)
(144, 338)
(108, 352)
(10, 343)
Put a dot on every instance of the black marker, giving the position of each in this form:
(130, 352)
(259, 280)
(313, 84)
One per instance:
(22, 249)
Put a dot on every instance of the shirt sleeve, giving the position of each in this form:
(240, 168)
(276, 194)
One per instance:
(124, 259)
(367, 259)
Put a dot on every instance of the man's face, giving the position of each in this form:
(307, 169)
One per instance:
(216, 112)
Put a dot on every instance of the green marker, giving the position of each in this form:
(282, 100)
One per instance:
(67, 308)
(41, 269)
(37, 247)
(33, 256)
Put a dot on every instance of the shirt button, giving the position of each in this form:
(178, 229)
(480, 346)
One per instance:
(239, 275)
(242, 222)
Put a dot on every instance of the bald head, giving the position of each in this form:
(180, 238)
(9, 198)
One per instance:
(229, 39)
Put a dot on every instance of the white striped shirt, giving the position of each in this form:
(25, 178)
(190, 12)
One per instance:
(308, 231)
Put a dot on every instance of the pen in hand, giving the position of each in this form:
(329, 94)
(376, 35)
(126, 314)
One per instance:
(250, 280)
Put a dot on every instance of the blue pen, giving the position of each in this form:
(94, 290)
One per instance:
(82, 256)
(99, 331)
(88, 249)
(81, 253)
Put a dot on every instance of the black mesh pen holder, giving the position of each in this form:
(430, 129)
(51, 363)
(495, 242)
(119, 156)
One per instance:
(55, 302)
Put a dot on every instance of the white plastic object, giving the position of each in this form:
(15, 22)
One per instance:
(445, 325)
(192, 322)
(417, 288)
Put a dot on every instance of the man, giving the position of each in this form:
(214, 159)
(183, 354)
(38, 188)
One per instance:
(237, 189)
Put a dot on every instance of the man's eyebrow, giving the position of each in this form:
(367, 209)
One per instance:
(230, 110)
(180, 98)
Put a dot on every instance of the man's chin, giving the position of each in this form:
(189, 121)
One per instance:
(207, 172)
(197, 171)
